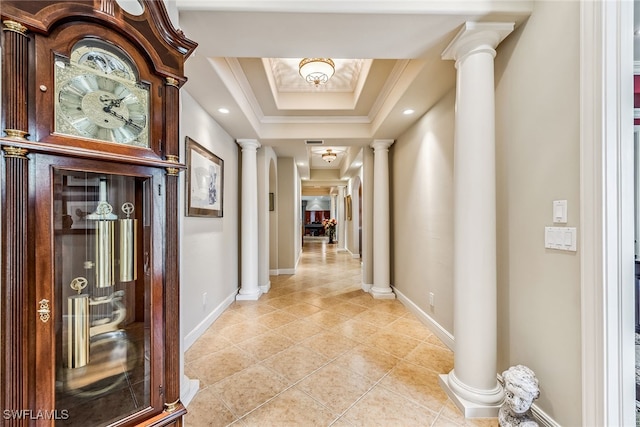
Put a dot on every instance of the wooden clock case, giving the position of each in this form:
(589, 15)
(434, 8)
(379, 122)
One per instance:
(38, 167)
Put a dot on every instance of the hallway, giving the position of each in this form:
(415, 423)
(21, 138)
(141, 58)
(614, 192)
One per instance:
(317, 350)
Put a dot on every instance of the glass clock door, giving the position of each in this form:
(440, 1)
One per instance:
(103, 332)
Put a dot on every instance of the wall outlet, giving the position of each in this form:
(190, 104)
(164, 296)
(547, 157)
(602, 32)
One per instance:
(431, 299)
(204, 300)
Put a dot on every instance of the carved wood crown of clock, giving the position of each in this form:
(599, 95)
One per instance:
(99, 96)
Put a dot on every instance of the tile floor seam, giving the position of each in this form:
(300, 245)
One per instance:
(340, 299)
(362, 396)
(435, 420)
(288, 388)
(411, 399)
(227, 406)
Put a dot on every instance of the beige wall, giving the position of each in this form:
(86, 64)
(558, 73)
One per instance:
(537, 119)
(273, 215)
(537, 154)
(267, 225)
(209, 246)
(289, 208)
(422, 212)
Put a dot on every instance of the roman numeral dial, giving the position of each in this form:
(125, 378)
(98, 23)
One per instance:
(97, 97)
(101, 108)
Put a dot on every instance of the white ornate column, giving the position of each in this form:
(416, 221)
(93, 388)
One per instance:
(332, 207)
(249, 288)
(342, 226)
(473, 384)
(381, 288)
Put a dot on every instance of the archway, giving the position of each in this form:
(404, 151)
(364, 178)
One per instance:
(272, 221)
(354, 232)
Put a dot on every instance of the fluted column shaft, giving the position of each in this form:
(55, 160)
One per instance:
(472, 383)
(17, 311)
(382, 237)
(172, 239)
(249, 288)
(15, 79)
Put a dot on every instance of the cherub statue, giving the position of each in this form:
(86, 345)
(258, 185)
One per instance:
(520, 389)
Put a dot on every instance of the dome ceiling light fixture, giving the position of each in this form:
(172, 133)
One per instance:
(329, 156)
(317, 70)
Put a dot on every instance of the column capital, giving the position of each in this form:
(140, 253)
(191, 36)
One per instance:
(477, 37)
(14, 26)
(381, 144)
(248, 143)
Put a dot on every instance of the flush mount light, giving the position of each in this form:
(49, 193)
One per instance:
(317, 70)
(408, 111)
(223, 110)
(329, 156)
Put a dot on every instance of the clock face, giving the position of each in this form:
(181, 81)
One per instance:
(98, 97)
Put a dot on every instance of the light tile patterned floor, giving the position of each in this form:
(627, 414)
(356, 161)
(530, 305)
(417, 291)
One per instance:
(318, 351)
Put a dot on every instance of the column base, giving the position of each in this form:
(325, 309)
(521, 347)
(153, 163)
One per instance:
(249, 297)
(471, 409)
(382, 293)
(265, 288)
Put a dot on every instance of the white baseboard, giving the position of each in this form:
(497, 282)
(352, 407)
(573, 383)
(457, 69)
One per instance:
(188, 390)
(265, 288)
(279, 271)
(543, 418)
(366, 287)
(434, 326)
(282, 271)
(197, 332)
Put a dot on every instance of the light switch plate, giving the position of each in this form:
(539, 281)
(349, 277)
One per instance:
(561, 238)
(560, 211)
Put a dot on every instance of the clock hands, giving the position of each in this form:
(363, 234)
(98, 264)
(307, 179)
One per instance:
(119, 116)
(112, 101)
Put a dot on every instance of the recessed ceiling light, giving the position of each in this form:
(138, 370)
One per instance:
(408, 111)
(223, 110)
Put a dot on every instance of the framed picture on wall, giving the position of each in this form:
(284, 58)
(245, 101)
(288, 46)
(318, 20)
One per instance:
(347, 206)
(205, 179)
(77, 212)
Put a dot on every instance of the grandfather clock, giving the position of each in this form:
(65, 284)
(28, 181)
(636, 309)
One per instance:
(89, 213)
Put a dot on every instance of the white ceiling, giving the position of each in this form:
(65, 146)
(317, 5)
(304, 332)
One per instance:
(248, 50)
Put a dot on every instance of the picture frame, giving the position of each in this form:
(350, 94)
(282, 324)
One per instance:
(347, 206)
(77, 212)
(204, 181)
(272, 206)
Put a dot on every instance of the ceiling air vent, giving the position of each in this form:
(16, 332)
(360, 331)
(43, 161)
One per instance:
(314, 142)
